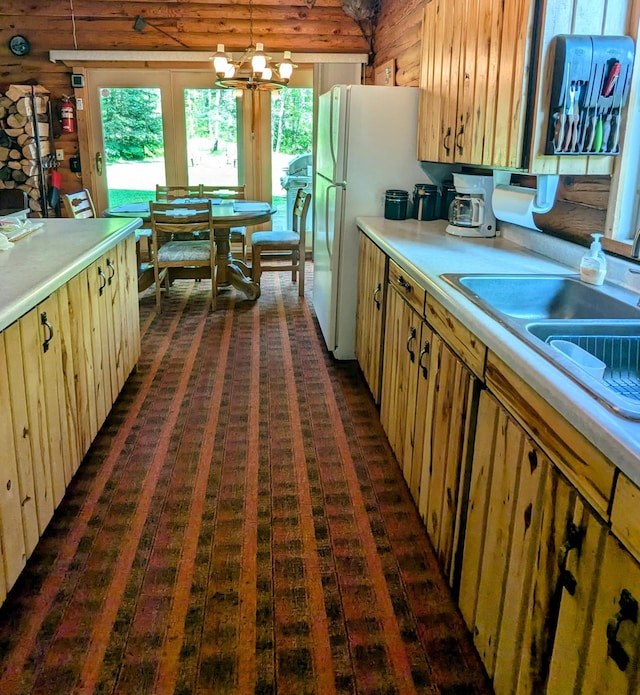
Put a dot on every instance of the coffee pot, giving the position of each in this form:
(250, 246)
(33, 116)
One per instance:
(470, 212)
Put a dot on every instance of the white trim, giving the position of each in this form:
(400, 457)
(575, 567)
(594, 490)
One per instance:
(191, 57)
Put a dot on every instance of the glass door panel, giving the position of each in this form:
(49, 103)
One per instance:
(211, 124)
(133, 154)
(291, 155)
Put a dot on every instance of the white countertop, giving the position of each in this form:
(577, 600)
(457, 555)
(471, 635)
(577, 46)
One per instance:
(47, 258)
(425, 250)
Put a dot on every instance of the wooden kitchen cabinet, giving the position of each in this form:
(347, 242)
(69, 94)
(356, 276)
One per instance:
(476, 58)
(64, 364)
(12, 542)
(402, 354)
(444, 432)
(372, 291)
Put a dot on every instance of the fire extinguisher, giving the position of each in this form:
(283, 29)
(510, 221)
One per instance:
(67, 115)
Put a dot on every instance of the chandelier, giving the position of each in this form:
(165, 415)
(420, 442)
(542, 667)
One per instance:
(254, 69)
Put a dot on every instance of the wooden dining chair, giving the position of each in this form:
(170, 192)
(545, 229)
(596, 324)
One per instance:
(79, 205)
(238, 235)
(179, 250)
(164, 193)
(290, 242)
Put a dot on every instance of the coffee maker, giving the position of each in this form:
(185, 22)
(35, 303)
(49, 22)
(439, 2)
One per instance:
(470, 212)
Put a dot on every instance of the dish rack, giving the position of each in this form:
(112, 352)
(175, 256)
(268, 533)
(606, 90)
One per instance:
(621, 355)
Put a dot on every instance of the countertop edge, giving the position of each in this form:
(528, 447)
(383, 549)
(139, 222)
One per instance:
(616, 437)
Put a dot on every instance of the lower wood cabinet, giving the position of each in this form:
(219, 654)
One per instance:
(372, 290)
(399, 377)
(62, 366)
(444, 433)
(517, 504)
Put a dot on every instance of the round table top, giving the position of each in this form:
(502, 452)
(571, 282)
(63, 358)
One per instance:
(226, 212)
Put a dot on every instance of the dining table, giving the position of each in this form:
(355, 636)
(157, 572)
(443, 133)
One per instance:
(227, 213)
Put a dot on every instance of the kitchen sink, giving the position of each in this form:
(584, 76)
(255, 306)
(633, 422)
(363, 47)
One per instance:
(534, 297)
(591, 334)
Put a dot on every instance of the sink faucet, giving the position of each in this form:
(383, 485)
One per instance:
(635, 249)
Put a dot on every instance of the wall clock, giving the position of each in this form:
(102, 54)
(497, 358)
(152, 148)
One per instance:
(19, 46)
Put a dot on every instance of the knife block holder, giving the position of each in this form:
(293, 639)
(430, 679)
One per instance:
(584, 120)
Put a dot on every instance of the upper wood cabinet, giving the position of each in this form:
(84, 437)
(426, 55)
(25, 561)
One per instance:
(485, 80)
(475, 59)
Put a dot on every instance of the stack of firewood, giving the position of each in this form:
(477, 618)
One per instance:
(25, 141)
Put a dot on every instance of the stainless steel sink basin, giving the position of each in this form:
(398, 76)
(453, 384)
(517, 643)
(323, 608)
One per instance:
(542, 309)
(534, 297)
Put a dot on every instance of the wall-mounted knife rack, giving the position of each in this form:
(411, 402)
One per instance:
(591, 82)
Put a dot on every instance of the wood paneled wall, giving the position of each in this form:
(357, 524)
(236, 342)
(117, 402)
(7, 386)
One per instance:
(399, 38)
(172, 25)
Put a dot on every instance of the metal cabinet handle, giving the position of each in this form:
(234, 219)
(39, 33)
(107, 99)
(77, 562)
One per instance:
(573, 541)
(403, 283)
(44, 322)
(628, 611)
(423, 353)
(459, 134)
(412, 336)
(112, 268)
(445, 142)
(103, 277)
(377, 290)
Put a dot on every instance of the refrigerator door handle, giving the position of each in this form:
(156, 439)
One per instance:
(341, 184)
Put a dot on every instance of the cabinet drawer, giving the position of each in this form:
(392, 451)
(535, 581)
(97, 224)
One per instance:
(459, 338)
(408, 288)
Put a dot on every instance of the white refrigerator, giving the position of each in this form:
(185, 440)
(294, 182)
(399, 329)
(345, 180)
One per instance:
(366, 144)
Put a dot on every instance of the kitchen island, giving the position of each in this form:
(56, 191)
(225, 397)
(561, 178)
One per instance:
(527, 485)
(69, 338)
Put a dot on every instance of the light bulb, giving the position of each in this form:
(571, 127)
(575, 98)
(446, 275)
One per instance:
(220, 61)
(259, 60)
(285, 69)
(267, 73)
(230, 71)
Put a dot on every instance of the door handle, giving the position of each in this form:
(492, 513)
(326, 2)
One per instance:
(99, 163)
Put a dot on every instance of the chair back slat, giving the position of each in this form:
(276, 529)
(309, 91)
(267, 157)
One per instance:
(79, 205)
(231, 192)
(164, 193)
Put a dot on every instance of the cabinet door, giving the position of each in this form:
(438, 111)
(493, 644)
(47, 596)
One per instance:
(129, 317)
(372, 265)
(502, 527)
(612, 657)
(81, 338)
(399, 377)
(444, 436)
(438, 84)
(23, 434)
(12, 544)
(97, 293)
(473, 80)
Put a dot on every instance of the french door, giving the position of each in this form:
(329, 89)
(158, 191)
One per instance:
(149, 127)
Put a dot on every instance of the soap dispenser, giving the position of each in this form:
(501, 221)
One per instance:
(593, 266)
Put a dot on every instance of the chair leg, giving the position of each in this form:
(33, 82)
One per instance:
(301, 276)
(256, 270)
(156, 277)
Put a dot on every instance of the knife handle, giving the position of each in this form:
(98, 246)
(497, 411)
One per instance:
(616, 133)
(592, 133)
(597, 140)
(558, 136)
(606, 132)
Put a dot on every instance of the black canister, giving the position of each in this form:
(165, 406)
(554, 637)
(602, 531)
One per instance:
(448, 194)
(395, 204)
(425, 201)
